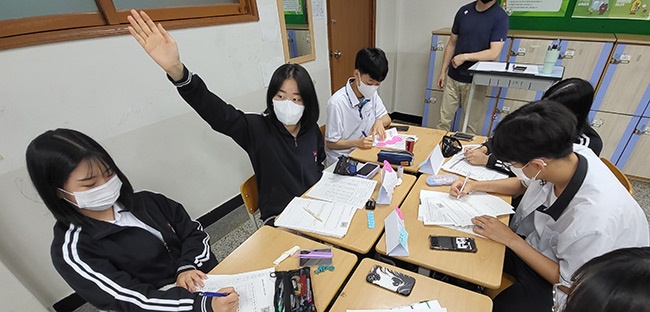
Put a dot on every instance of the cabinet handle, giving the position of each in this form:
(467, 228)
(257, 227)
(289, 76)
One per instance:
(645, 131)
(618, 62)
(597, 123)
(431, 100)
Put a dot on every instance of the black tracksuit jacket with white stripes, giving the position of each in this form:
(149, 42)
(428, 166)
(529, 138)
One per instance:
(121, 268)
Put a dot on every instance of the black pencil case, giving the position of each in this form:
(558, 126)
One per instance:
(293, 291)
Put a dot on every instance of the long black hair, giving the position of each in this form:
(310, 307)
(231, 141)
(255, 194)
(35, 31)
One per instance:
(305, 87)
(576, 94)
(53, 155)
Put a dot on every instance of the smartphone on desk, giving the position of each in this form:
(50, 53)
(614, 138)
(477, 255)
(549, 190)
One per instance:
(453, 243)
(463, 136)
(368, 170)
(390, 279)
(401, 128)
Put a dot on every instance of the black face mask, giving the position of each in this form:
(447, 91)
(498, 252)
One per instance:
(485, 1)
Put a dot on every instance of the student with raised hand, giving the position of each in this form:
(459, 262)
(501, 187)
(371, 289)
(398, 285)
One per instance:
(574, 93)
(615, 281)
(115, 247)
(285, 145)
(356, 113)
(572, 210)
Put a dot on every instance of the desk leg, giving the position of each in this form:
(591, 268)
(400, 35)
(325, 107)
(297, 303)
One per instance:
(469, 107)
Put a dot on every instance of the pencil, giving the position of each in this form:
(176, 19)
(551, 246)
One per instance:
(312, 214)
(462, 187)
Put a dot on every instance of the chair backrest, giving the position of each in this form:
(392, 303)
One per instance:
(618, 173)
(250, 195)
(322, 132)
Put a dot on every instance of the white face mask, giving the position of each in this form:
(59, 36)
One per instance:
(519, 172)
(367, 90)
(98, 198)
(288, 113)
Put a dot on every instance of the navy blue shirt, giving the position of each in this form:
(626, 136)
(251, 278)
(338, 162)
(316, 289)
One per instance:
(475, 31)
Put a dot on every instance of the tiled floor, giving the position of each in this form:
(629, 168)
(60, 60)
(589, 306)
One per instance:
(233, 229)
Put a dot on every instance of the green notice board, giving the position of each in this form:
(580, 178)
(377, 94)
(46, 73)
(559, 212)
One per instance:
(585, 23)
(295, 12)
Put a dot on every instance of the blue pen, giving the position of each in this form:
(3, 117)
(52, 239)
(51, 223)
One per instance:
(364, 133)
(213, 294)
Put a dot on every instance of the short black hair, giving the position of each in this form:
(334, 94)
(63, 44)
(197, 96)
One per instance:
(305, 87)
(576, 94)
(372, 61)
(538, 129)
(53, 155)
(615, 281)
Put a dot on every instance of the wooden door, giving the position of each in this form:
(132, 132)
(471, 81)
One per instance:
(626, 80)
(636, 163)
(351, 28)
(612, 129)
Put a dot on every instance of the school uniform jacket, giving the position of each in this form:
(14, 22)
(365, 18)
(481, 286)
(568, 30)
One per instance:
(121, 268)
(285, 166)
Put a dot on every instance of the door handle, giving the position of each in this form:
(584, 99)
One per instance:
(597, 123)
(645, 131)
(335, 53)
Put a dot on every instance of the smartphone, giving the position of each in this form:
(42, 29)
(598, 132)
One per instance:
(452, 243)
(401, 128)
(463, 136)
(368, 170)
(392, 280)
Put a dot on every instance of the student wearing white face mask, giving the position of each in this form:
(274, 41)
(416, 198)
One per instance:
(572, 210)
(285, 145)
(356, 113)
(115, 247)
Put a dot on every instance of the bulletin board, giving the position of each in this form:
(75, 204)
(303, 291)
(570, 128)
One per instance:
(295, 12)
(616, 22)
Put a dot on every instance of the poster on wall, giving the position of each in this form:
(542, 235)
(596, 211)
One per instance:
(535, 8)
(292, 7)
(612, 9)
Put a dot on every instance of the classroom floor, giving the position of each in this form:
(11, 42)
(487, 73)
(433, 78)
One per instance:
(233, 229)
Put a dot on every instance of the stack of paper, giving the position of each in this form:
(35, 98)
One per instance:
(423, 306)
(256, 289)
(394, 140)
(325, 218)
(458, 164)
(343, 189)
(437, 208)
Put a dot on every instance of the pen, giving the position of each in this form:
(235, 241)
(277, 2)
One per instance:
(312, 214)
(213, 294)
(364, 133)
(462, 187)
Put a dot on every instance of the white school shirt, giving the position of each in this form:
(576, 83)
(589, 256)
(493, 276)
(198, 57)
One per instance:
(601, 217)
(344, 121)
(125, 218)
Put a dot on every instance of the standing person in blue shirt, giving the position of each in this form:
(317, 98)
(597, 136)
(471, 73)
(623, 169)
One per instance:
(284, 145)
(478, 34)
(356, 113)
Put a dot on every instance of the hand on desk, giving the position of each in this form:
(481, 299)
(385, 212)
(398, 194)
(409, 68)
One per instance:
(378, 129)
(228, 303)
(365, 142)
(190, 279)
(476, 157)
(456, 187)
(494, 229)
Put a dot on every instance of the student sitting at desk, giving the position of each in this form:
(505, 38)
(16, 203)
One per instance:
(356, 113)
(577, 95)
(113, 246)
(572, 210)
(284, 145)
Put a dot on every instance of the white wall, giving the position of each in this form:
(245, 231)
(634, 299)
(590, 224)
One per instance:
(109, 89)
(404, 28)
(16, 298)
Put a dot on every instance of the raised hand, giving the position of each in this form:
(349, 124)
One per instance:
(155, 40)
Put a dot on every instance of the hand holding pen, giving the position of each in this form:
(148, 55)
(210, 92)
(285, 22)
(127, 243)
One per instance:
(460, 188)
(224, 300)
(365, 142)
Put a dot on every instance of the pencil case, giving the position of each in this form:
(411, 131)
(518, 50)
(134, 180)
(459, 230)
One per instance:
(402, 158)
(293, 291)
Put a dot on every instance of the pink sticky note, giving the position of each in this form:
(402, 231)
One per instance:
(399, 212)
(387, 166)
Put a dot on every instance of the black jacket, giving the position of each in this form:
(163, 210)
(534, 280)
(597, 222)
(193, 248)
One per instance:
(121, 268)
(285, 166)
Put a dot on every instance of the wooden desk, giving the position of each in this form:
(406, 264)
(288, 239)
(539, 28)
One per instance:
(264, 246)
(427, 139)
(360, 238)
(482, 268)
(359, 294)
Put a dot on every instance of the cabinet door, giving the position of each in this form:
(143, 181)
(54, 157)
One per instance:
(431, 115)
(626, 81)
(503, 107)
(634, 159)
(527, 51)
(614, 130)
(438, 43)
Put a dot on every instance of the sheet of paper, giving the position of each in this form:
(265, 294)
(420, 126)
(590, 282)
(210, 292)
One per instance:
(255, 288)
(302, 213)
(343, 189)
(438, 208)
(396, 234)
(388, 184)
(393, 140)
(531, 69)
(433, 163)
(428, 306)
(458, 164)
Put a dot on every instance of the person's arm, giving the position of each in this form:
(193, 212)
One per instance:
(334, 130)
(490, 54)
(363, 142)
(321, 156)
(447, 55)
(509, 186)
(382, 119)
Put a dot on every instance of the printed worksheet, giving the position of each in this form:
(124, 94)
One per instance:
(338, 188)
(458, 164)
(256, 288)
(438, 208)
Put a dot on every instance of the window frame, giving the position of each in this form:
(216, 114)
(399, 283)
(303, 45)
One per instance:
(108, 22)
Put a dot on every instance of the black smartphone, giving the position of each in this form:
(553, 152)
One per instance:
(390, 279)
(463, 136)
(368, 170)
(401, 128)
(452, 243)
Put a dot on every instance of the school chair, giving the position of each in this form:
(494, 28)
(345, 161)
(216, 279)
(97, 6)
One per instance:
(506, 281)
(250, 196)
(322, 132)
(618, 174)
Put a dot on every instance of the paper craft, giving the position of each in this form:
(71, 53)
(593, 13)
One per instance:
(458, 164)
(433, 163)
(396, 234)
(388, 184)
(255, 289)
(309, 215)
(343, 189)
(438, 208)
(393, 140)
